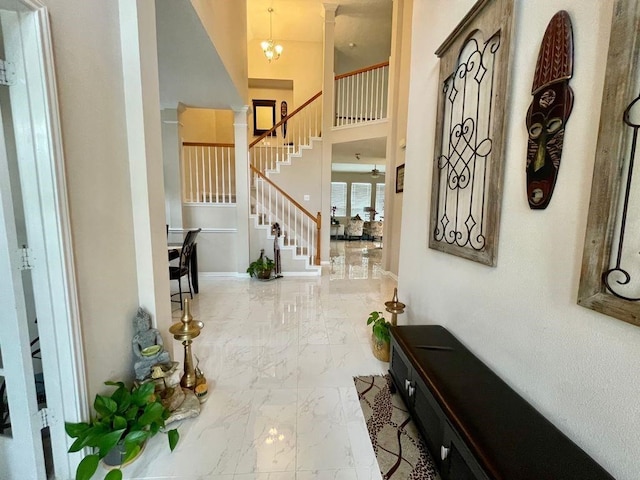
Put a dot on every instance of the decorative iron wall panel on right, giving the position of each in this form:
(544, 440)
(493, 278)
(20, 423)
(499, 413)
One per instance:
(610, 277)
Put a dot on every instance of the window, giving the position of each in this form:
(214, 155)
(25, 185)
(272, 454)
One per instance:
(379, 200)
(360, 198)
(339, 198)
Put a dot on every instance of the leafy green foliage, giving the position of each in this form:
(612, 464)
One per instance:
(128, 417)
(261, 267)
(380, 326)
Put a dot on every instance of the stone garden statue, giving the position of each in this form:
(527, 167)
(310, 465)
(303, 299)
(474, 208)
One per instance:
(148, 346)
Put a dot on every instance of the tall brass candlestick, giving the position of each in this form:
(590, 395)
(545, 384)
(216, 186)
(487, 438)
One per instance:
(185, 331)
(394, 307)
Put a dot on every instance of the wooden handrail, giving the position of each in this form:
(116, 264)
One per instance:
(285, 119)
(319, 225)
(337, 77)
(205, 144)
(362, 70)
(285, 194)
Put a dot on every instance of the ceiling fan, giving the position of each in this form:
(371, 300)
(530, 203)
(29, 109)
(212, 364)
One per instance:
(375, 173)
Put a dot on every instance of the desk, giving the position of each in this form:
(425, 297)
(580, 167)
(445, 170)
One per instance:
(174, 252)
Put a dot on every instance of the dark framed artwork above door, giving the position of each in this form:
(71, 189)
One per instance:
(264, 116)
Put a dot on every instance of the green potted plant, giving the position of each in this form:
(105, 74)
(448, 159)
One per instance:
(262, 267)
(380, 336)
(124, 421)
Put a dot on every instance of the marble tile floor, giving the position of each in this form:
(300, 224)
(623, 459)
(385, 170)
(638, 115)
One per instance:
(280, 357)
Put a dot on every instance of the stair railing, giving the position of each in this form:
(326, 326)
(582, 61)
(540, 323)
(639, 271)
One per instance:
(287, 136)
(208, 172)
(361, 96)
(299, 227)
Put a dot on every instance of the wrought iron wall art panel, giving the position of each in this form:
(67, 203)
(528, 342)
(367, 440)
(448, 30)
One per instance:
(623, 278)
(610, 278)
(467, 170)
(550, 109)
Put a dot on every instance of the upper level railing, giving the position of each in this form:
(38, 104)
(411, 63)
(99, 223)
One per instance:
(287, 136)
(361, 96)
(208, 172)
(208, 169)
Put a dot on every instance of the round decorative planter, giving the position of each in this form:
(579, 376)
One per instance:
(381, 349)
(264, 275)
(114, 458)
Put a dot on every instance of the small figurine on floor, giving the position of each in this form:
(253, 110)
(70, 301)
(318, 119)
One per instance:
(148, 346)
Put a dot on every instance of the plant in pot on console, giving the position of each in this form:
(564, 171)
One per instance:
(380, 336)
(262, 267)
(124, 421)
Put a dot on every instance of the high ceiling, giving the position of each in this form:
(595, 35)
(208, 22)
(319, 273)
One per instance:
(362, 34)
(362, 38)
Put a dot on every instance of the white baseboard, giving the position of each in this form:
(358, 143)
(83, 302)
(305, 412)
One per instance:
(223, 274)
(246, 275)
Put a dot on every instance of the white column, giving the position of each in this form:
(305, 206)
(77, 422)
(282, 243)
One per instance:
(142, 112)
(171, 151)
(241, 138)
(327, 122)
(396, 113)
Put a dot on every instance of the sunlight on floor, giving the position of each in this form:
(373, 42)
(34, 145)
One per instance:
(280, 357)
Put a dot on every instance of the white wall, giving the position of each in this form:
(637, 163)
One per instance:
(302, 177)
(399, 93)
(171, 167)
(577, 367)
(218, 241)
(300, 62)
(86, 41)
(226, 23)
(206, 125)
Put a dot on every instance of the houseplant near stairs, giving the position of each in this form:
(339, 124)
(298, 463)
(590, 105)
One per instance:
(380, 336)
(262, 267)
(124, 420)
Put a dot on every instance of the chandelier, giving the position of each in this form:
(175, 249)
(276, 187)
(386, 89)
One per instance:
(271, 49)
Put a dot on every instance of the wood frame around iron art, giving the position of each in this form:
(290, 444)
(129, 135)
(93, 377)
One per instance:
(620, 89)
(471, 230)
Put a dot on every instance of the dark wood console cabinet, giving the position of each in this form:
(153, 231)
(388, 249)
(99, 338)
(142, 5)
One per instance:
(475, 426)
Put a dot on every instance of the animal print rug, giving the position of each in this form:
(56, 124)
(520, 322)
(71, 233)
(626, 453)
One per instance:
(399, 449)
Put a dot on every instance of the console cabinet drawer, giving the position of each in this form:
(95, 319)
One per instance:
(475, 426)
(441, 440)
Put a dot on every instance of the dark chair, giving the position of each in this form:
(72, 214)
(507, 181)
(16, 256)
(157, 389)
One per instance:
(184, 266)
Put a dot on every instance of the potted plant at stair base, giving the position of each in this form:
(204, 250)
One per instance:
(380, 336)
(261, 268)
(124, 421)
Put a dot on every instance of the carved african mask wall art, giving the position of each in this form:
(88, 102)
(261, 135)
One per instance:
(550, 110)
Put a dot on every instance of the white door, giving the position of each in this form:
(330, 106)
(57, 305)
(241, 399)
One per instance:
(36, 281)
(21, 451)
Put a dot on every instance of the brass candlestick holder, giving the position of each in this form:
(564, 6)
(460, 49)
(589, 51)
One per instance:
(185, 331)
(394, 307)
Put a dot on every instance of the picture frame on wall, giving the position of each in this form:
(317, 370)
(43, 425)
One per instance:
(466, 191)
(264, 116)
(610, 275)
(400, 178)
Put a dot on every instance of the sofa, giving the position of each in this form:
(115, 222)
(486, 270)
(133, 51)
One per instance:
(354, 228)
(373, 229)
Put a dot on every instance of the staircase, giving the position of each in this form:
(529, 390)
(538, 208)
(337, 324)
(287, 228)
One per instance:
(298, 132)
(208, 169)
